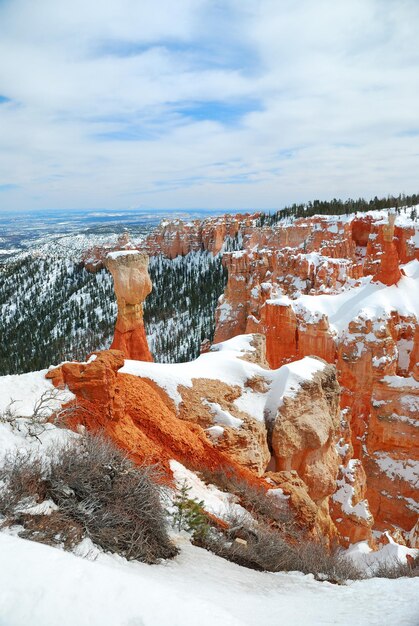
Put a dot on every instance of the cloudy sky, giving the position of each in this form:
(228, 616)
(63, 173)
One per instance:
(206, 103)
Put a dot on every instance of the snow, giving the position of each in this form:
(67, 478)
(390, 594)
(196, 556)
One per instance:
(121, 253)
(51, 438)
(345, 493)
(225, 363)
(221, 416)
(369, 300)
(217, 502)
(367, 559)
(401, 381)
(414, 240)
(27, 390)
(405, 347)
(215, 432)
(43, 508)
(287, 381)
(404, 469)
(43, 586)
(224, 311)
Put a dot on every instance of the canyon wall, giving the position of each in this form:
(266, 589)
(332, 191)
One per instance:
(345, 290)
(274, 428)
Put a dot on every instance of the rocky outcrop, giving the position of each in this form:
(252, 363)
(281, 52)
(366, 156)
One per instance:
(350, 508)
(210, 414)
(132, 412)
(132, 285)
(305, 431)
(338, 288)
(290, 284)
(178, 237)
(391, 456)
(389, 272)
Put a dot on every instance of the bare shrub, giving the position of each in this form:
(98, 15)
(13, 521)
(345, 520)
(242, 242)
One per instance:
(260, 504)
(396, 569)
(263, 548)
(47, 408)
(51, 529)
(23, 477)
(8, 414)
(98, 491)
(274, 542)
(325, 563)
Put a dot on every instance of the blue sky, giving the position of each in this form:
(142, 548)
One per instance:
(206, 103)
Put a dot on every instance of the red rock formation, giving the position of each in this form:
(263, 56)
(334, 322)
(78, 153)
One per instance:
(391, 455)
(369, 349)
(349, 505)
(305, 432)
(140, 417)
(313, 256)
(389, 272)
(279, 323)
(132, 412)
(177, 237)
(132, 285)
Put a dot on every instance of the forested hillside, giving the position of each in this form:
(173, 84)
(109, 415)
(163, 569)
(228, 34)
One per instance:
(342, 207)
(52, 309)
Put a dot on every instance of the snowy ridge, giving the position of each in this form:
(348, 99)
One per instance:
(367, 301)
(225, 362)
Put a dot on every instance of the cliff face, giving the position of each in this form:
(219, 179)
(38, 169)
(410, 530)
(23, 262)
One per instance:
(344, 448)
(226, 409)
(346, 292)
(132, 285)
(177, 237)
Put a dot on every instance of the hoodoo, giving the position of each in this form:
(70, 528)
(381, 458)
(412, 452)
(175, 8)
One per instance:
(389, 272)
(132, 285)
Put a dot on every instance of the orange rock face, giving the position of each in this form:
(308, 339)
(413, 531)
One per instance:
(177, 237)
(132, 285)
(305, 432)
(389, 272)
(313, 257)
(392, 457)
(132, 412)
(141, 418)
(362, 470)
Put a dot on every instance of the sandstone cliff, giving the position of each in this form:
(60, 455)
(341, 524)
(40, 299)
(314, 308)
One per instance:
(224, 409)
(346, 291)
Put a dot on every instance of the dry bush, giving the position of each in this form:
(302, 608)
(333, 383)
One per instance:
(274, 542)
(397, 569)
(261, 506)
(47, 409)
(266, 549)
(23, 476)
(51, 529)
(326, 563)
(97, 489)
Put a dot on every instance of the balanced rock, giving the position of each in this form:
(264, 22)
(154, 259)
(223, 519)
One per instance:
(132, 285)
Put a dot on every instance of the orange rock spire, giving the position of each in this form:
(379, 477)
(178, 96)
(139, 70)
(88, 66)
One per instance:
(389, 271)
(132, 285)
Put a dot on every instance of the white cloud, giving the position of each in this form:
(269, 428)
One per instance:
(335, 87)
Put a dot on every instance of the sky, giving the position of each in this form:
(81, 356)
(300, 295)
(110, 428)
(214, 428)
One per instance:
(206, 103)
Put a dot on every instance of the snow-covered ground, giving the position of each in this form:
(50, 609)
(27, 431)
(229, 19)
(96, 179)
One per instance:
(43, 586)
